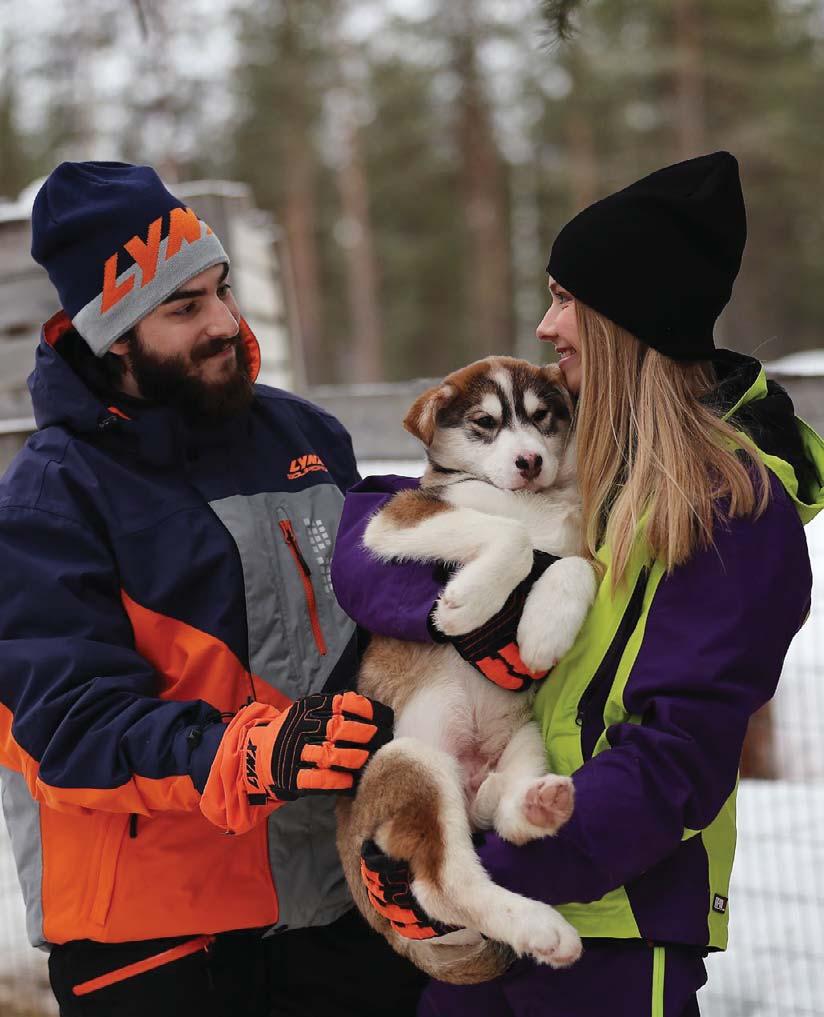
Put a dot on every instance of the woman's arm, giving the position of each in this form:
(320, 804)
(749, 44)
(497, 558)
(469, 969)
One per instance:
(385, 598)
(715, 640)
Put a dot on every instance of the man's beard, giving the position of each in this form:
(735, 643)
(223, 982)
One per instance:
(169, 381)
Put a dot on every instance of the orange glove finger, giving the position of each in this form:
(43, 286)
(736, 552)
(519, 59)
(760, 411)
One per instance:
(498, 672)
(324, 780)
(371, 881)
(329, 755)
(392, 911)
(415, 931)
(339, 729)
(354, 703)
(512, 655)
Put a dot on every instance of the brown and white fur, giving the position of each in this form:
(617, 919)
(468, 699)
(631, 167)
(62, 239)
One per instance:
(466, 753)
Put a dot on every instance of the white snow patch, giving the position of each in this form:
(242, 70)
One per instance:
(805, 363)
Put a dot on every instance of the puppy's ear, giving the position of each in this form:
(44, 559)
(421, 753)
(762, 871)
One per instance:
(555, 376)
(422, 417)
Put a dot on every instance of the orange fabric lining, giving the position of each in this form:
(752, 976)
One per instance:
(252, 348)
(512, 656)
(140, 967)
(55, 327)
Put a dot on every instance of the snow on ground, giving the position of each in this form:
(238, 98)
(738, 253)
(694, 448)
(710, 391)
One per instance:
(775, 964)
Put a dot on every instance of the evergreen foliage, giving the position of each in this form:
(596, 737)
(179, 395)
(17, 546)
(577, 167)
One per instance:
(443, 145)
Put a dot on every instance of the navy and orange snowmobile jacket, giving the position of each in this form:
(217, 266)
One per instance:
(158, 582)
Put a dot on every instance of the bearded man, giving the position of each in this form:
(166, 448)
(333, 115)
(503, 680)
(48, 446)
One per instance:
(173, 664)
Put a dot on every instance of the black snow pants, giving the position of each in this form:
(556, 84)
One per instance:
(343, 969)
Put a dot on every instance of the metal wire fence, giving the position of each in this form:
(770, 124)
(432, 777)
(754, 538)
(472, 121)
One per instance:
(775, 964)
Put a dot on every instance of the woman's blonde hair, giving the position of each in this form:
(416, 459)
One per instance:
(647, 446)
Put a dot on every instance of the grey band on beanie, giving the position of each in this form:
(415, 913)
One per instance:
(102, 329)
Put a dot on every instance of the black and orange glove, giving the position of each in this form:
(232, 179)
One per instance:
(492, 648)
(319, 745)
(387, 882)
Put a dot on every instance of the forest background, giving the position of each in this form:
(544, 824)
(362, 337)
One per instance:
(420, 155)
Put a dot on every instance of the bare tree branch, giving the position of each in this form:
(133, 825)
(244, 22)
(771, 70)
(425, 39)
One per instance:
(558, 16)
(141, 18)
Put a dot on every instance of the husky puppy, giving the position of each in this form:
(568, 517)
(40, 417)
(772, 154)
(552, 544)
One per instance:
(500, 482)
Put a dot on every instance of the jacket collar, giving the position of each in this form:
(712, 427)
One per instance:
(156, 434)
(764, 411)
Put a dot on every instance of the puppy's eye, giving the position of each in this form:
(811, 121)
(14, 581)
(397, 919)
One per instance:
(540, 415)
(486, 422)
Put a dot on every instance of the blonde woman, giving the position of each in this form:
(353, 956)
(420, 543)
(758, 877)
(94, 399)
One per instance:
(696, 479)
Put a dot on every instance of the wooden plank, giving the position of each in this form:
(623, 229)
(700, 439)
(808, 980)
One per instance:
(26, 301)
(16, 363)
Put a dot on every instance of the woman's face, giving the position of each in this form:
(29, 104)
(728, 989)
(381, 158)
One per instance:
(560, 327)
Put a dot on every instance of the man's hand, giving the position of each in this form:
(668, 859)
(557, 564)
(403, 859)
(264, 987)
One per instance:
(319, 745)
(492, 648)
(387, 882)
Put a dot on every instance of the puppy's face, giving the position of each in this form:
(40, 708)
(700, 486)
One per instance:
(501, 420)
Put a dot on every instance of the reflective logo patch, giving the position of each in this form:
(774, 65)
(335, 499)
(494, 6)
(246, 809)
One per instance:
(251, 764)
(305, 464)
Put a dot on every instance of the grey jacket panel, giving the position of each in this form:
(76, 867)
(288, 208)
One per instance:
(23, 821)
(285, 653)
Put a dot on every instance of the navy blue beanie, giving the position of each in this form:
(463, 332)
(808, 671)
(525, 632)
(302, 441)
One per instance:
(115, 244)
(659, 258)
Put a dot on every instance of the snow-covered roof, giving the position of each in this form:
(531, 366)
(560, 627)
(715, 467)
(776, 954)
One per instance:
(806, 363)
(223, 188)
(12, 211)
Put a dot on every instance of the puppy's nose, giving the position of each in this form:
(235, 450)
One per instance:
(529, 464)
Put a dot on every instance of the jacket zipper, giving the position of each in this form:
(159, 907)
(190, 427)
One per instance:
(596, 693)
(305, 574)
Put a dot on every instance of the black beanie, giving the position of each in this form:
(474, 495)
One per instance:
(659, 258)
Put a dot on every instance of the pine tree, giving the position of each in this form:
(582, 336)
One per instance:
(281, 78)
(15, 164)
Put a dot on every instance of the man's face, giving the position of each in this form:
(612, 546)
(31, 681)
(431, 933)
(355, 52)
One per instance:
(188, 352)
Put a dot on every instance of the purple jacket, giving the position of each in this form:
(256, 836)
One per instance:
(659, 742)
(615, 833)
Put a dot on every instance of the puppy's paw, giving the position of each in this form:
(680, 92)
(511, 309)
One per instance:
(455, 616)
(548, 938)
(554, 612)
(548, 802)
(534, 807)
(481, 588)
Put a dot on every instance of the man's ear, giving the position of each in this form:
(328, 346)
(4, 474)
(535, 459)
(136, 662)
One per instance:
(120, 347)
(422, 417)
